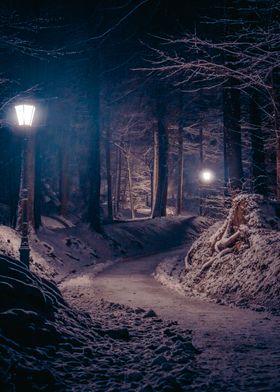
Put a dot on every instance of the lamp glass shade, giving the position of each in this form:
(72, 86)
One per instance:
(25, 114)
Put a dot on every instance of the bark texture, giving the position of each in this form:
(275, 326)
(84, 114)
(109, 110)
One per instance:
(258, 157)
(161, 162)
(232, 136)
(93, 95)
(108, 173)
(180, 160)
(276, 99)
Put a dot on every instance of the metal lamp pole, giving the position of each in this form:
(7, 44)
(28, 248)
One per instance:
(24, 250)
(25, 114)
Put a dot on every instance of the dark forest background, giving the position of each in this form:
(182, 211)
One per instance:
(133, 99)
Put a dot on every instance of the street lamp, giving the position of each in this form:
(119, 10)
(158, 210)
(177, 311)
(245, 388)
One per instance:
(206, 176)
(25, 115)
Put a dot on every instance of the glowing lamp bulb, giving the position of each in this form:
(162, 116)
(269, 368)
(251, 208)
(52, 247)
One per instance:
(206, 176)
(25, 114)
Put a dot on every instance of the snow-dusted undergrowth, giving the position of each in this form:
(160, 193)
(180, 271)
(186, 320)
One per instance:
(236, 261)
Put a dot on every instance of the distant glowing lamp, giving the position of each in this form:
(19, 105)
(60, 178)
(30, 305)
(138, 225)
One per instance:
(206, 176)
(25, 114)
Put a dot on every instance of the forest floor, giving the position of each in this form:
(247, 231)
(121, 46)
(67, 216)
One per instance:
(112, 280)
(239, 347)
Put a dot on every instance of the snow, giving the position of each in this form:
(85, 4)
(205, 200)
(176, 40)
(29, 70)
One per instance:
(56, 222)
(109, 329)
(248, 275)
(46, 345)
(168, 272)
(74, 249)
(51, 223)
(239, 348)
(150, 236)
(61, 250)
(10, 243)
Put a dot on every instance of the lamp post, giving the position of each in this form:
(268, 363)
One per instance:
(25, 115)
(206, 176)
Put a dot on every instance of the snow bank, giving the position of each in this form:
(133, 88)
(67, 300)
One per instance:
(77, 250)
(36, 328)
(47, 346)
(236, 261)
(65, 253)
(153, 235)
(169, 271)
(56, 222)
(9, 246)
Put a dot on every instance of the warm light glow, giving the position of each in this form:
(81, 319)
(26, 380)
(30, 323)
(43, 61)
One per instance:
(207, 176)
(25, 114)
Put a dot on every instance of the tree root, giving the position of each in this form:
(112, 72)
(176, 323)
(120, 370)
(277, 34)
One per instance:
(226, 242)
(211, 261)
(233, 230)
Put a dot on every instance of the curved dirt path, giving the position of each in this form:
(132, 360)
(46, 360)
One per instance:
(240, 347)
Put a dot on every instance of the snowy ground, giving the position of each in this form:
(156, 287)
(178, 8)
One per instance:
(71, 249)
(240, 349)
(47, 346)
(112, 342)
(61, 249)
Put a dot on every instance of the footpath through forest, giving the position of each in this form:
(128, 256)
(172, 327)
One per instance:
(240, 347)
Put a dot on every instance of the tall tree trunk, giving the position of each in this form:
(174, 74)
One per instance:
(108, 172)
(63, 179)
(152, 188)
(258, 158)
(278, 165)
(93, 95)
(180, 169)
(155, 174)
(232, 135)
(233, 168)
(9, 173)
(118, 181)
(156, 165)
(201, 167)
(180, 158)
(38, 184)
(130, 185)
(161, 168)
(15, 179)
(31, 178)
(276, 104)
